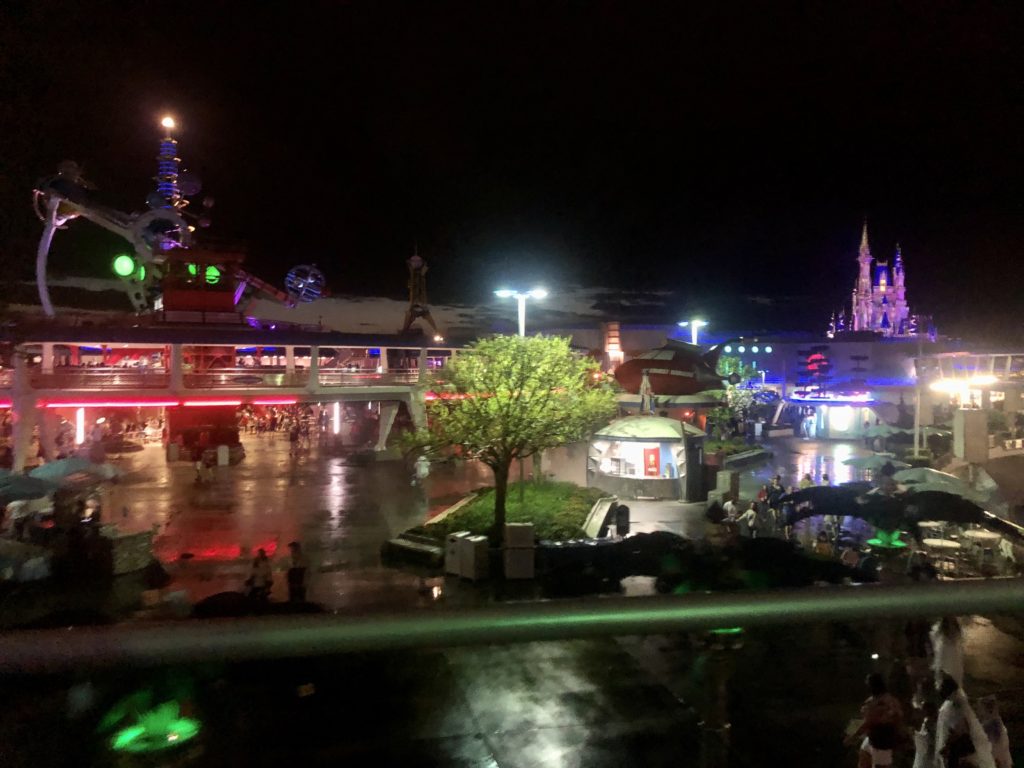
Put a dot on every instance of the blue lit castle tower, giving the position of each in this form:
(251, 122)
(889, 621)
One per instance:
(880, 305)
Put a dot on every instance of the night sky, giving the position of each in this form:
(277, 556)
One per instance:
(727, 156)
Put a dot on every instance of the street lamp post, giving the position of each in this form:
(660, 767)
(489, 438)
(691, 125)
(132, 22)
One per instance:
(536, 293)
(520, 297)
(695, 326)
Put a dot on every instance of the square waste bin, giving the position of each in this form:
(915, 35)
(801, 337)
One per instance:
(473, 558)
(452, 563)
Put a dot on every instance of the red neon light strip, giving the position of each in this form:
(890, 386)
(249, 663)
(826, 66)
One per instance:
(115, 404)
(276, 401)
(6, 404)
(205, 403)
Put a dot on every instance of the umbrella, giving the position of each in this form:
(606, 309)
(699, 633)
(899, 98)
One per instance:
(966, 492)
(885, 430)
(63, 471)
(939, 505)
(15, 487)
(875, 462)
(926, 475)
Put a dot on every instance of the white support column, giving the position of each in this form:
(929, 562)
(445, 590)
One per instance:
(388, 411)
(423, 364)
(417, 408)
(383, 367)
(23, 410)
(289, 359)
(177, 369)
(313, 385)
(47, 357)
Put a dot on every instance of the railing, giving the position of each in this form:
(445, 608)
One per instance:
(367, 378)
(29, 651)
(101, 378)
(237, 378)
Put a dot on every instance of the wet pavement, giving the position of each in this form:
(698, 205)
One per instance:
(341, 508)
(786, 693)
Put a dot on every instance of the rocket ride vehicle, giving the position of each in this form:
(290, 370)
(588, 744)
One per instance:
(674, 369)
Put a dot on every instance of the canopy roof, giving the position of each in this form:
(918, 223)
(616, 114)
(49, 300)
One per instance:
(648, 428)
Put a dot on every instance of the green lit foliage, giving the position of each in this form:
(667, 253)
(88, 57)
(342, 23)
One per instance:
(156, 729)
(557, 511)
(510, 397)
(887, 540)
(738, 398)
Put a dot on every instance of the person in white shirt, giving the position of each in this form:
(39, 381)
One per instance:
(995, 729)
(749, 518)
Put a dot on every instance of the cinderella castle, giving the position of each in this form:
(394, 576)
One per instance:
(879, 304)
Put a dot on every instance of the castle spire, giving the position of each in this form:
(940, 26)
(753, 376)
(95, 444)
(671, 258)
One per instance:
(865, 249)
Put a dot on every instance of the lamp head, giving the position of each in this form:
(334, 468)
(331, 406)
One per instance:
(168, 122)
(538, 293)
(504, 293)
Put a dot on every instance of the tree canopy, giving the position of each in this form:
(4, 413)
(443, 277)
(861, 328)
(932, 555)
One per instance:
(510, 397)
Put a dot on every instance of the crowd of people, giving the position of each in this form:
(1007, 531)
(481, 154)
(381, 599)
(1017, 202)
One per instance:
(942, 729)
(261, 576)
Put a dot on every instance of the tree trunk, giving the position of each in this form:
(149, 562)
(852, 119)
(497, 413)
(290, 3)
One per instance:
(500, 494)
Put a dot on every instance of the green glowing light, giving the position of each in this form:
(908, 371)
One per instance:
(728, 631)
(124, 265)
(212, 273)
(160, 728)
(887, 540)
(141, 275)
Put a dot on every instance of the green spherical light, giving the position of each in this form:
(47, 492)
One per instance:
(192, 269)
(124, 265)
(212, 275)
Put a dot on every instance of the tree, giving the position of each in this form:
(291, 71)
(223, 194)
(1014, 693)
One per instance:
(510, 397)
(737, 398)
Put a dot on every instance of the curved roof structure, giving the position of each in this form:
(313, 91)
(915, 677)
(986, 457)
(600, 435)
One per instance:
(645, 427)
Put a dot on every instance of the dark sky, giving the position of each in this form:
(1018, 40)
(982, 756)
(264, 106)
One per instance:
(722, 153)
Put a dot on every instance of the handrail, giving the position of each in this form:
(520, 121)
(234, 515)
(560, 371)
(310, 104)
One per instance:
(30, 651)
(100, 378)
(366, 378)
(234, 378)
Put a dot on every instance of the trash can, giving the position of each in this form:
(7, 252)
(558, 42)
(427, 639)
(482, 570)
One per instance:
(173, 451)
(519, 556)
(223, 456)
(622, 520)
(452, 554)
(473, 558)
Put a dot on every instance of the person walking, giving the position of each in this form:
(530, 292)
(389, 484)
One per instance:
(995, 729)
(261, 579)
(960, 739)
(297, 570)
(947, 639)
(924, 738)
(882, 720)
(749, 518)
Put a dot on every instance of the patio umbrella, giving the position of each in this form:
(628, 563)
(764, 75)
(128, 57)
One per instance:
(875, 462)
(74, 470)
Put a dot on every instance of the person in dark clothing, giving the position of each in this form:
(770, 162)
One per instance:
(297, 568)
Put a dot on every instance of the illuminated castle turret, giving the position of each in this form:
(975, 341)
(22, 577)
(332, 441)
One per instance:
(879, 305)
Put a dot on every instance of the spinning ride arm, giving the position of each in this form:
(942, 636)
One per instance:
(65, 197)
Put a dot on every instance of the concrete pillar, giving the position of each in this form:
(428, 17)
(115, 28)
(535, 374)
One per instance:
(48, 422)
(986, 399)
(289, 359)
(313, 385)
(417, 408)
(1012, 401)
(23, 410)
(383, 367)
(47, 357)
(177, 368)
(423, 364)
(388, 411)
